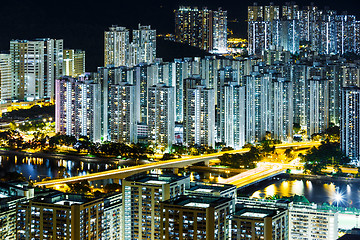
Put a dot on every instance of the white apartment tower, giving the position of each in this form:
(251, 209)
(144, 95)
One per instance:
(6, 77)
(318, 105)
(219, 33)
(199, 113)
(350, 123)
(74, 62)
(36, 65)
(122, 120)
(161, 114)
(145, 40)
(78, 108)
(310, 222)
(232, 115)
(142, 194)
(282, 110)
(116, 47)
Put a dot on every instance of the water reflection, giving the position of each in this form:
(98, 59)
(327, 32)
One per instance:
(315, 191)
(39, 168)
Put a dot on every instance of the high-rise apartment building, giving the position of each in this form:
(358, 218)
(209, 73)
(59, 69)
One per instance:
(116, 52)
(324, 31)
(194, 217)
(288, 220)
(78, 108)
(141, 88)
(310, 222)
(334, 75)
(199, 113)
(112, 217)
(122, 115)
(36, 64)
(161, 115)
(74, 62)
(318, 105)
(231, 125)
(202, 28)
(259, 222)
(282, 110)
(109, 78)
(145, 40)
(6, 77)
(60, 215)
(260, 24)
(142, 194)
(212, 189)
(258, 106)
(350, 123)
(219, 31)
(10, 195)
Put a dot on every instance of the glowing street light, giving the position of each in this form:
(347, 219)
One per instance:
(338, 198)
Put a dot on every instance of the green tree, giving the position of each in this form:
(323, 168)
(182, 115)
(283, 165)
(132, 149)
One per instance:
(82, 187)
(168, 156)
(112, 187)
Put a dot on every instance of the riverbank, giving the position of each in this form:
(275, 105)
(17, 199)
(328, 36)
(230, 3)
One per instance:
(293, 176)
(217, 169)
(60, 156)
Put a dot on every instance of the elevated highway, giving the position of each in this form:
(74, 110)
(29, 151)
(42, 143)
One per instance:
(251, 176)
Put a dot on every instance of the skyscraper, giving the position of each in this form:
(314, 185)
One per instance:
(232, 115)
(199, 113)
(36, 65)
(66, 216)
(258, 106)
(74, 62)
(260, 24)
(324, 31)
(142, 194)
(122, 111)
(116, 50)
(78, 108)
(145, 39)
(194, 217)
(202, 28)
(282, 110)
(161, 114)
(6, 77)
(219, 31)
(350, 123)
(318, 106)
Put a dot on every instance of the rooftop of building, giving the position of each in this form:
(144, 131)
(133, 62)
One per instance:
(9, 202)
(67, 199)
(247, 211)
(349, 237)
(155, 179)
(17, 185)
(192, 201)
(202, 187)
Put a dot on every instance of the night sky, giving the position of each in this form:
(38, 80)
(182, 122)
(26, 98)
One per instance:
(81, 23)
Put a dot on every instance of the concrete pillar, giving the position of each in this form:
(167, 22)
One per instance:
(207, 163)
(176, 170)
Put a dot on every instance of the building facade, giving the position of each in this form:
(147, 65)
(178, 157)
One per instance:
(142, 195)
(350, 123)
(192, 217)
(36, 64)
(72, 217)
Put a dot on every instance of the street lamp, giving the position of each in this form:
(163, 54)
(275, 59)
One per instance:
(338, 198)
